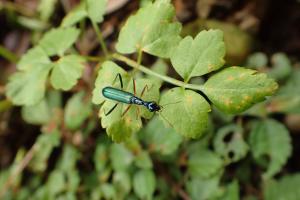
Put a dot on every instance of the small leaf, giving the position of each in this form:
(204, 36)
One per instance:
(55, 183)
(96, 9)
(287, 99)
(57, 41)
(187, 112)
(66, 71)
(45, 144)
(235, 148)
(37, 114)
(122, 183)
(281, 68)
(77, 110)
(75, 16)
(143, 160)
(120, 156)
(232, 192)
(200, 188)
(106, 77)
(156, 35)
(204, 163)
(144, 184)
(33, 57)
(28, 87)
(265, 138)
(257, 60)
(160, 138)
(46, 8)
(199, 56)
(287, 188)
(235, 89)
(160, 67)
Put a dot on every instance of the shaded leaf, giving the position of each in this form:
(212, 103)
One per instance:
(287, 188)
(77, 110)
(37, 114)
(121, 157)
(66, 71)
(46, 8)
(281, 68)
(235, 89)
(265, 138)
(156, 35)
(187, 112)
(144, 184)
(143, 160)
(195, 57)
(160, 138)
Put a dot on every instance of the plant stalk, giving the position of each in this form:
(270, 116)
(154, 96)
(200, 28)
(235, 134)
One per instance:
(100, 38)
(144, 69)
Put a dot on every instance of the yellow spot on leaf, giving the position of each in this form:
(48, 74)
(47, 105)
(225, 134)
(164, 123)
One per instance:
(230, 78)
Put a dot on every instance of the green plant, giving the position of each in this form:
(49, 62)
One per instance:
(232, 90)
(59, 89)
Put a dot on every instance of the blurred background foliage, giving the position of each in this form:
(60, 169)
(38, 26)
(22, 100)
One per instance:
(57, 149)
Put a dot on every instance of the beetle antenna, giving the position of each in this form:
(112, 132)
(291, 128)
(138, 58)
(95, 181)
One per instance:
(170, 103)
(166, 119)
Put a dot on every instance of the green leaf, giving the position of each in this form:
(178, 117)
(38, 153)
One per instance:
(56, 183)
(77, 110)
(120, 127)
(143, 160)
(156, 35)
(287, 188)
(204, 163)
(199, 56)
(120, 156)
(232, 149)
(37, 114)
(96, 9)
(66, 71)
(45, 144)
(144, 184)
(100, 157)
(106, 77)
(75, 15)
(257, 60)
(235, 89)
(288, 98)
(57, 41)
(46, 8)
(187, 112)
(160, 138)
(281, 68)
(28, 87)
(122, 183)
(160, 67)
(202, 189)
(265, 138)
(33, 57)
(109, 192)
(232, 192)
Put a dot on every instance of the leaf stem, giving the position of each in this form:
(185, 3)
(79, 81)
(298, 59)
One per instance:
(100, 38)
(8, 55)
(144, 69)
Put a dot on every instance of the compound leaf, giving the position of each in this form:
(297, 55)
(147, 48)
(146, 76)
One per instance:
(265, 138)
(156, 35)
(235, 89)
(195, 57)
(58, 40)
(66, 71)
(186, 111)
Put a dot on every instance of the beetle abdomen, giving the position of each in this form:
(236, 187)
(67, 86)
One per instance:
(117, 95)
